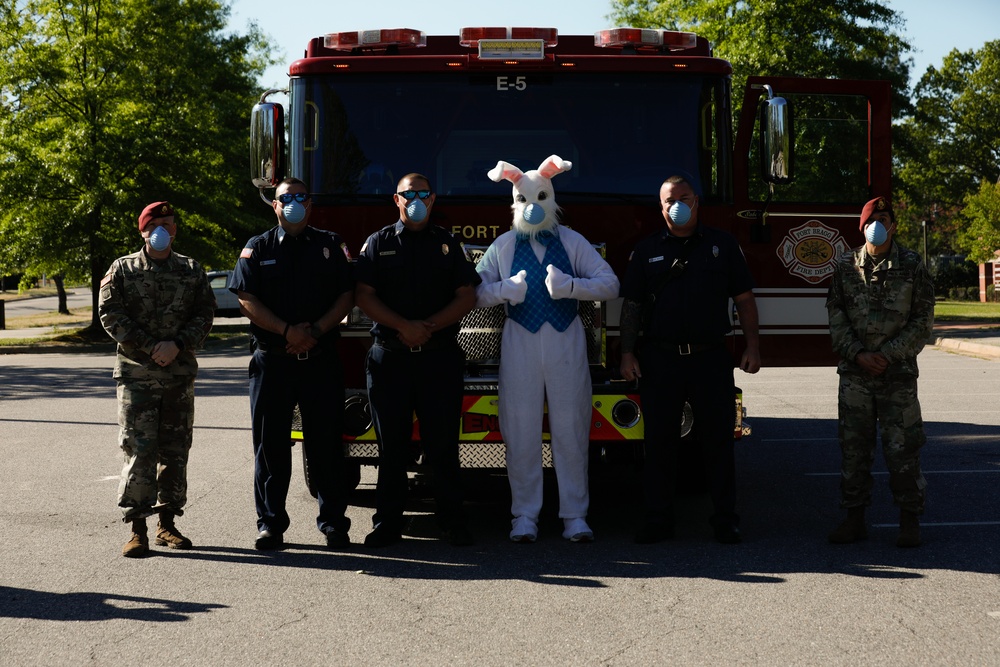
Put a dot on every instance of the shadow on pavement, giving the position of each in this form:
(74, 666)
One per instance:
(42, 605)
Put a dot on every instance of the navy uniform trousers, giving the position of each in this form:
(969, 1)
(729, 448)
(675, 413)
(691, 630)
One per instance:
(277, 382)
(705, 379)
(429, 384)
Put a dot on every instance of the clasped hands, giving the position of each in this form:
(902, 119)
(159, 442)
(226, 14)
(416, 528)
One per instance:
(301, 338)
(873, 363)
(165, 352)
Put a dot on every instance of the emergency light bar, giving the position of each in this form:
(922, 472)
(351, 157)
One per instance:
(374, 39)
(640, 38)
(470, 37)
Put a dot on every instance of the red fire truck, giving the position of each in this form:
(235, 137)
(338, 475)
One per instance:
(627, 107)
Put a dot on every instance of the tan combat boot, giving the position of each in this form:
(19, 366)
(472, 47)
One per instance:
(138, 545)
(167, 534)
(909, 530)
(851, 529)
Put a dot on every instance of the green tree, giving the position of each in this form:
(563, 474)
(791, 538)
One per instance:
(108, 106)
(846, 39)
(949, 154)
(980, 224)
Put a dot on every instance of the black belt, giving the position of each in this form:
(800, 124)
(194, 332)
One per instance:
(280, 351)
(396, 345)
(684, 349)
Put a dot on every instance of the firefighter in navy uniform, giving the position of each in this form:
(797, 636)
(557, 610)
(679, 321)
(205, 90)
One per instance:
(693, 271)
(294, 283)
(415, 282)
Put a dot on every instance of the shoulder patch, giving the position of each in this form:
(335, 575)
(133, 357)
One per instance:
(347, 253)
(247, 253)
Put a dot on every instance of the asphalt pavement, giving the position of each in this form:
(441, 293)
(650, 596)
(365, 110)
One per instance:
(783, 597)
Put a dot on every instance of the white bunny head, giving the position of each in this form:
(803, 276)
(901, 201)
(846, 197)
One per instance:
(535, 209)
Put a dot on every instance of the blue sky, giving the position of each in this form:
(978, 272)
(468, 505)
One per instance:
(933, 28)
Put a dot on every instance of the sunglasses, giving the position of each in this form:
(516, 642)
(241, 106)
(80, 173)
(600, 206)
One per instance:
(408, 195)
(287, 197)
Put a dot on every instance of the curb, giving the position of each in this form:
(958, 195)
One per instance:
(968, 347)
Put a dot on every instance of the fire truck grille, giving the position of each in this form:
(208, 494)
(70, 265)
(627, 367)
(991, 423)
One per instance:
(479, 336)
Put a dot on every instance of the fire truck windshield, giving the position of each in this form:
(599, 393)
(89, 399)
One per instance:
(356, 134)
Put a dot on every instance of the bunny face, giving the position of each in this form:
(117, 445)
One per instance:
(534, 208)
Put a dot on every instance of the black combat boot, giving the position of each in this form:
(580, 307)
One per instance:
(167, 534)
(851, 529)
(138, 544)
(909, 530)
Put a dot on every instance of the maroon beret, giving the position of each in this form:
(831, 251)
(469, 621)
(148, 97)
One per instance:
(877, 205)
(159, 209)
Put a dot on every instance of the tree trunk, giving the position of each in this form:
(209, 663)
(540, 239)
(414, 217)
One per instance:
(61, 292)
(96, 273)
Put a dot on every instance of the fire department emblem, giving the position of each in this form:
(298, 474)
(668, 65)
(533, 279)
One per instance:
(810, 250)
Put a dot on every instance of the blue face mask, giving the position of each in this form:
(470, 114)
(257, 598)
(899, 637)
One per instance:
(876, 233)
(679, 213)
(294, 212)
(159, 240)
(534, 214)
(416, 211)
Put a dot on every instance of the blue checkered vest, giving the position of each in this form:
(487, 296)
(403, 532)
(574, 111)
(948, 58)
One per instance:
(538, 307)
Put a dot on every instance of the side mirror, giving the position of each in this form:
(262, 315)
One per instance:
(267, 143)
(776, 155)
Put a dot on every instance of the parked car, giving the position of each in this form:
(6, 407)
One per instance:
(226, 303)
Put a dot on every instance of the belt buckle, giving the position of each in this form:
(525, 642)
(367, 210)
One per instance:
(415, 348)
(681, 349)
(302, 356)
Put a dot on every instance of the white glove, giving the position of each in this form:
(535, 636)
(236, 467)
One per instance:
(514, 289)
(559, 284)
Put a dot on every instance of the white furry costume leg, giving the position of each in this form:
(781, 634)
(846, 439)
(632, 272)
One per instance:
(551, 366)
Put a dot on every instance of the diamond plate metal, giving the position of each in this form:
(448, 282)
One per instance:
(485, 455)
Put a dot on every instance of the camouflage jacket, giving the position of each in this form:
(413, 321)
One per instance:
(891, 313)
(143, 303)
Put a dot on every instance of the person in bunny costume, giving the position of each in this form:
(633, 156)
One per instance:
(540, 270)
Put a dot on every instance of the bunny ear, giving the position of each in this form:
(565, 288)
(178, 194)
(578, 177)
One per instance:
(553, 165)
(505, 171)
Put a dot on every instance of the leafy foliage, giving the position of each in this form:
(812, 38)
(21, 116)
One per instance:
(981, 223)
(953, 273)
(949, 154)
(107, 106)
(847, 39)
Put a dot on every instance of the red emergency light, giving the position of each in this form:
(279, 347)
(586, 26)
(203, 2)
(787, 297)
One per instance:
(470, 36)
(375, 39)
(641, 38)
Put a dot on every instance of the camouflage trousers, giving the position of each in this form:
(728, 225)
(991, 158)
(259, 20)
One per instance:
(156, 418)
(868, 405)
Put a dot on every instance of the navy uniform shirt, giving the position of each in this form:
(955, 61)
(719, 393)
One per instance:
(694, 306)
(298, 278)
(415, 274)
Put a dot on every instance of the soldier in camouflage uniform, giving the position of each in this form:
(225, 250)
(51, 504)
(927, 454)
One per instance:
(158, 305)
(881, 306)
